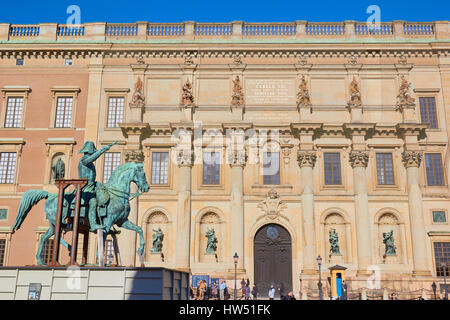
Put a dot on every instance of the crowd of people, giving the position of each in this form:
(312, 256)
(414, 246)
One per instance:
(220, 291)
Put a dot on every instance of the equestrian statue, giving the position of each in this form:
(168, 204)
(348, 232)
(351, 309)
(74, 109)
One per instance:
(104, 205)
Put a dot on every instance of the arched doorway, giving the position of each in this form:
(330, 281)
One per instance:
(273, 259)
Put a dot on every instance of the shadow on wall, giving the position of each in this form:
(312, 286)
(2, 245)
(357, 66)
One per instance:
(156, 284)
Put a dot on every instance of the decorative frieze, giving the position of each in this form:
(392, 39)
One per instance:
(134, 155)
(359, 158)
(306, 158)
(411, 158)
(185, 157)
(236, 157)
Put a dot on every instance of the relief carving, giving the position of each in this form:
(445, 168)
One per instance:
(306, 158)
(404, 98)
(138, 98)
(355, 94)
(238, 95)
(359, 158)
(303, 98)
(187, 97)
(411, 158)
(272, 205)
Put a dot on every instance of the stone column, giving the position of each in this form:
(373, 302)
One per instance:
(411, 160)
(306, 161)
(184, 159)
(358, 160)
(236, 160)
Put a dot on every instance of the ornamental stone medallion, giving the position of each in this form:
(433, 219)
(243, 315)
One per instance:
(272, 205)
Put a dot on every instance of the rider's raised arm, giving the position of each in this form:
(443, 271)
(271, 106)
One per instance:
(92, 157)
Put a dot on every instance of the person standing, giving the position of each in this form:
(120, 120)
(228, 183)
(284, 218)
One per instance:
(255, 292)
(344, 290)
(247, 292)
(271, 292)
(281, 290)
(222, 288)
(214, 291)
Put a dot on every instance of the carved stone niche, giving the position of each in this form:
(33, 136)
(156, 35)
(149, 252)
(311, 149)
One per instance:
(272, 205)
(388, 222)
(210, 220)
(155, 220)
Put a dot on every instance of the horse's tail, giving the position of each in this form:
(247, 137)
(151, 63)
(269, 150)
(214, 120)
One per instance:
(29, 199)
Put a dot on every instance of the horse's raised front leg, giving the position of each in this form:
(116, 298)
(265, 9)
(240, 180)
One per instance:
(50, 232)
(131, 226)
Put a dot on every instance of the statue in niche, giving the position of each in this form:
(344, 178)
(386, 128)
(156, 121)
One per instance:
(59, 169)
(355, 94)
(388, 240)
(334, 242)
(211, 245)
(158, 237)
(138, 98)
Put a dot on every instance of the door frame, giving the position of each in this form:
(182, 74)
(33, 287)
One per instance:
(295, 247)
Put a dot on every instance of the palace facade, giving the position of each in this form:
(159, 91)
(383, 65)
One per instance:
(289, 140)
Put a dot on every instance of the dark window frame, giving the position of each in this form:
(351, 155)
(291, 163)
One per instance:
(441, 251)
(434, 169)
(428, 112)
(385, 168)
(271, 179)
(332, 168)
(211, 168)
(159, 171)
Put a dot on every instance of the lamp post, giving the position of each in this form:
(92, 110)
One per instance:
(235, 258)
(433, 286)
(319, 284)
(444, 266)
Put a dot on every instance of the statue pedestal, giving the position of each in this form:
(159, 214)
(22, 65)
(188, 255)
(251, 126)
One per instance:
(390, 259)
(209, 258)
(336, 259)
(155, 256)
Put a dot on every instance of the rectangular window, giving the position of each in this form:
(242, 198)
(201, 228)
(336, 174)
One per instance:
(428, 111)
(112, 161)
(439, 217)
(64, 112)
(2, 252)
(332, 166)
(385, 170)
(442, 256)
(160, 168)
(19, 62)
(115, 111)
(7, 167)
(271, 168)
(211, 168)
(47, 251)
(3, 214)
(435, 173)
(13, 117)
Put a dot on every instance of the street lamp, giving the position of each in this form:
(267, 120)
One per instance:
(235, 258)
(319, 284)
(444, 266)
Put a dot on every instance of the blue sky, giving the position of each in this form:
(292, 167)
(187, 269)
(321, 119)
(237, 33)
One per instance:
(32, 11)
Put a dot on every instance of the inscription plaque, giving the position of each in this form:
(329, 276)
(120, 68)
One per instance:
(270, 91)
